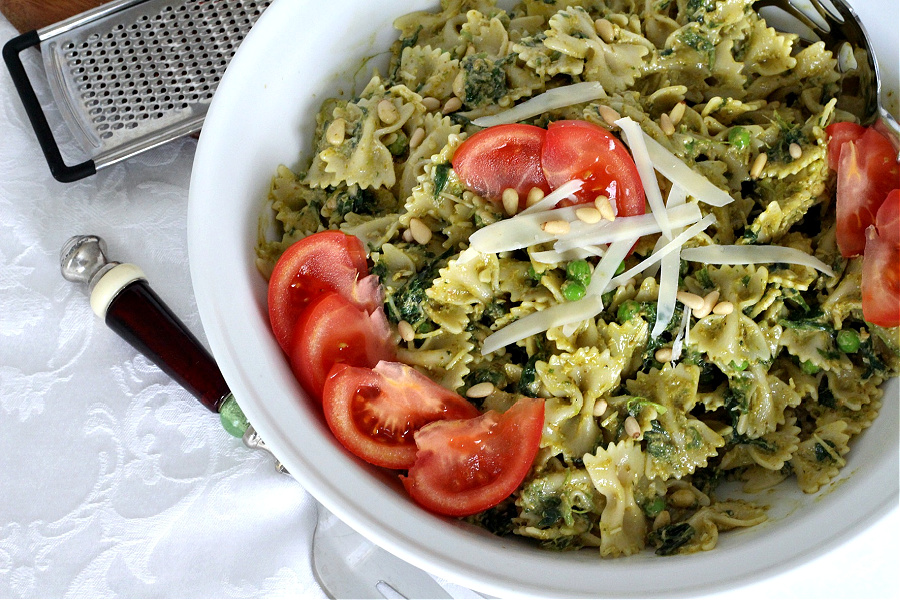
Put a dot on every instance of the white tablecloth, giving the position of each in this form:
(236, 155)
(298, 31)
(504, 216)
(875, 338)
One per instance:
(114, 482)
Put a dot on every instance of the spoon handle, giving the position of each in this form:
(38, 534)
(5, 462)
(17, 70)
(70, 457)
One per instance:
(121, 296)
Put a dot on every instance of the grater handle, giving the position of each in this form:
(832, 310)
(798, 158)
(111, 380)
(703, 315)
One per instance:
(58, 167)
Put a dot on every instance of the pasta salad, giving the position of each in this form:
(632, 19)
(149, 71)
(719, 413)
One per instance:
(687, 320)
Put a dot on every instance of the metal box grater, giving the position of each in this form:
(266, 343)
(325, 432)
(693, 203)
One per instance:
(130, 75)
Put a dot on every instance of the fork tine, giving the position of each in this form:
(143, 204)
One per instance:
(793, 11)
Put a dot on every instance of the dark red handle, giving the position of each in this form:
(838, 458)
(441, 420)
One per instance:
(144, 321)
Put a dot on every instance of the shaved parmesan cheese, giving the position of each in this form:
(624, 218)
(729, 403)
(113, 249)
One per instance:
(606, 268)
(552, 99)
(606, 232)
(681, 339)
(668, 289)
(568, 312)
(748, 255)
(549, 257)
(520, 231)
(549, 201)
(537, 322)
(677, 197)
(673, 169)
(672, 246)
(634, 135)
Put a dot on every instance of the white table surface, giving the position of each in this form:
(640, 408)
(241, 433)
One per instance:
(114, 482)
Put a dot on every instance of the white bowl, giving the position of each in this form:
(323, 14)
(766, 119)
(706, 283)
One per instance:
(263, 115)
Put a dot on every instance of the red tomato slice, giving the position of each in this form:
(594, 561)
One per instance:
(501, 157)
(867, 171)
(331, 330)
(464, 467)
(328, 261)
(838, 135)
(582, 150)
(374, 413)
(881, 266)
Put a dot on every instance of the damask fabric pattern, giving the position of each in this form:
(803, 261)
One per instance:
(114, 482)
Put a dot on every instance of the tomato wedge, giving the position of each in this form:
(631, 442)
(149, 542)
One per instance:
(331, 330)
(501, 157)
(867, 171)
(323, 262)
(582, 150)
(881, 266)
(374, 413)
(838, 135)
(464, 467)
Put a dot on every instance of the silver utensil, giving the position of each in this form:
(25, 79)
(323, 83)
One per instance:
(836, 24)
(345, 563)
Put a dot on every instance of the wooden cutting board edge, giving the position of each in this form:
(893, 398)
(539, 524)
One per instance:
(27, 15)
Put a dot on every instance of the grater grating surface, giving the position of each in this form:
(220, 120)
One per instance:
(133, 74)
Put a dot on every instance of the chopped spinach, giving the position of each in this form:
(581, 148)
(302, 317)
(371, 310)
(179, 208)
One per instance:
(358, 201)
(873, 363)
(498, 519)
(407, 302)
(441, 175)
(789, 134)
(528, 382)
(670, 538)
(485, 79)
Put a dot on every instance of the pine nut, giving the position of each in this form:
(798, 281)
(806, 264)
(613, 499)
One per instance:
(407, 236)
(663, 355)
(510, 201)
(420, 231)
(387, 112)
(335, 133)
(589, 215)
(661, 520)
(600, 407)
(677, 112)
(535, 195)
(713, 105)
(390, 139)
(557, 227)
(682, 499)
(407, 334)
(759, 163)
(480, 390)
(795, 150)
(609, 114)
(632, 428)
(431, 103)
(605, 30)
(417, 137)
(452, 105)
(459, 85)
(606, 210)
(709, 302)
(666, 124)
(692, 301)
(723, 308)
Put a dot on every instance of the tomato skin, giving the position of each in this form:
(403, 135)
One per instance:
(838, 135)
(323, 262)
(375, 413)
(467, 466)
(332, 330)
(582, 150)
(881, 266)
(501, 157)
(867, 171)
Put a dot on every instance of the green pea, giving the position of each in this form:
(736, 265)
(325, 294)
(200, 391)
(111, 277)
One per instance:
(739, 138)
(848, 341)
(627, 310)
(580, 271)
(655, 506)
(809, 368)
(620, 269)
(740, 367)
(534, 275)
(572, 291)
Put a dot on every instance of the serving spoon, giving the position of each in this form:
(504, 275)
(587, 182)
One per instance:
(346, 565)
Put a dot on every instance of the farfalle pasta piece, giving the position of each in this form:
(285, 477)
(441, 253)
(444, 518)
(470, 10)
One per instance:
(678, 443)
(615, 472)
(559, 507)
(720, 516)
(820, 457)
(429, 71)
